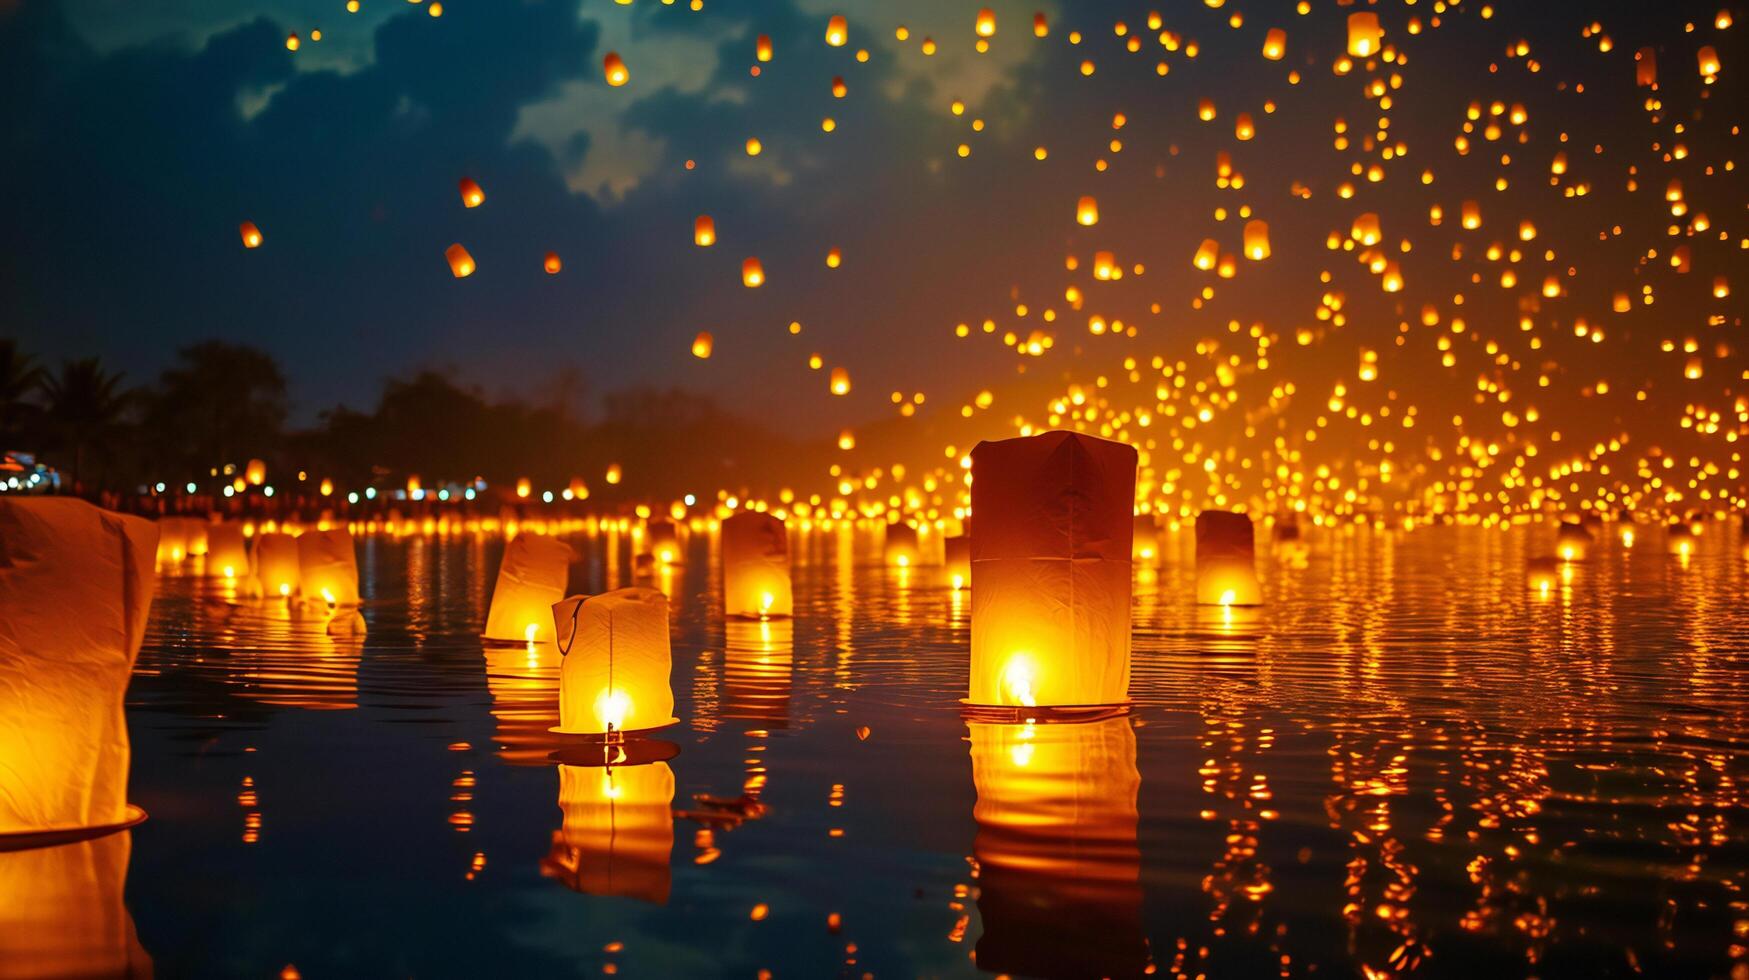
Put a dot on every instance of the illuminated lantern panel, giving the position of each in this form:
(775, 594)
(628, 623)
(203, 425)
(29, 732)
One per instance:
(275, 563)
(328, 567)
(1087, 211)
(255, 472)
(900, 547)
(756, 581)
(1059, 882)
(76, 584)
(758, 668)
(613, 67)
(1051, 538)
(1572, 542)
(1275, 44)
(1145, 539)
(1543, 575)
(251, 234)
(1365, 36)
(173, 539)
(552, 264)
(837, 30)
(958, 550)
(704, 231)
(662, 542)
(62, 914)
(615, 674)
(1226, 564)
(1679, 540)
(461, 264)
(531, 580)
(227, 551)
(472, 195)
(618, 831)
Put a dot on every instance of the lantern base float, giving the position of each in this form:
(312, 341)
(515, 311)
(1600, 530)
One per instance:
(28, 839)
(635, 751)
(1047, 714)
(623, 735)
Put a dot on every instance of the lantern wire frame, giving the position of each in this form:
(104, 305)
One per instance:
(30, 839)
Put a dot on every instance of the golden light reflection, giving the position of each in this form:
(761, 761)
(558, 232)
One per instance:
(617, 837)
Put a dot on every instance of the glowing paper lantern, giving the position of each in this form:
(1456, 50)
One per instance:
(899, 548)
(1087, 211)
(1709, 62)
(472, 194)
(617, 662)
(62, 914)
(461, 264)
(837, 30)
(614, 68)
(328, 567)
(227, 553)
(1206, 254)
(251, 234)
(752, 273)
(985, 25)
(762, 47)
(1059, 868)
(552, 264)
(172, 539)
(1572, 542)
(704, 231)
(1275, 44)
(662, 542)
(1145, 539)
(531, 580)
(839, 382)
(1051, 525)
(1257, 240)
(1646, 67)
(959, 561)
(76, 585)
(1679, 540)
(1226, 565)
(701, 345)
(1543, 575)
(618, 831)
(1365, 36)
(1041, 26)
(276, 563)
(756, 581)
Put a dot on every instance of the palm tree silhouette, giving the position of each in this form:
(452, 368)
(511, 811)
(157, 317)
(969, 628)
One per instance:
(85, 406)
(19, 378)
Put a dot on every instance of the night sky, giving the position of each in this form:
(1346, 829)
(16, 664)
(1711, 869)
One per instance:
(140, 135)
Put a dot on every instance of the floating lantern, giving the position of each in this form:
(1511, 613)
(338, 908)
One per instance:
(1226, 565)
(1059, 868)
(762, 48)
(756, 581)
(76, 585)
(1145, 538)
(1087, 211)
(614, 68)
(617, 662)
(1275, 44)
(551, 264)
(758, 671)
(275, 563)
(461, 264)
(837, 30)
(1365, 36)
(328, 567)
(1679, 540)
(958, 551)
(1257, 240)
(227, 553)
(172, 540)
(704, 231)
(662, 542)
(618, 831)
(1050, 535)
(752, 273)
(255, 472)
(701, 345)
(531, 580)
(1572, 542)
(899, 549)
(62, 912)
(251, 234)
(472, 194)
(1543, 575)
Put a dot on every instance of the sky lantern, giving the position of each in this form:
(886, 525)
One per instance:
(531, 580)
(617, 835)
(1679, 540)
(1365, 229)
(762, 48)
(615, 675)
(1243, 127)
(1051, 537)
(752, 273)
(328, 567)
(834, 257)
(1226, 564)
(1206, 254)
(701, 345)
(1572, 541)
(1275, 44)
(1709, 63)
(472, 194)
(837, 30)
(1059, 867)
(1257, 240)
(756, 582)
(1646, 67)
(551, 264)
(579, 488)
(291, 42)
(76, 585)
(461, 264)
(985, 25)
(613, 67)
(1365, 36)
(275, 563)
(227, 551)
(899, 548)
(839, 89)
(614, 474)
(840, 381)
(251, 234)
(704, 231)
(1087, 211)
(255, 472)
(1041, 26)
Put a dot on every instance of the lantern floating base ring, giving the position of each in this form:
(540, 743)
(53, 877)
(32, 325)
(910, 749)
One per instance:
(613, 736)
(1045, 715)
(30, 839)
(635, 751)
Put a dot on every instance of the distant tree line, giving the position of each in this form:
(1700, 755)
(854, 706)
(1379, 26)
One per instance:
(223, 404)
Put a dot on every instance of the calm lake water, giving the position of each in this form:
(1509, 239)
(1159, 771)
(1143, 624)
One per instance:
(1406, 762)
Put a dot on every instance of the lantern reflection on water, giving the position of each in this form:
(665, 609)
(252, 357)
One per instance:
(1059, 869)
(524, 684)
(1226, 562)
(615, 673)
(756, 581)
(76, 585)
(61, 911)
(758, 663)
(618, 831)
(531, 579)
(275, 563)
(1051, 535)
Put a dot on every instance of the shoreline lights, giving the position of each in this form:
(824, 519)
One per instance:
(1051, 538)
